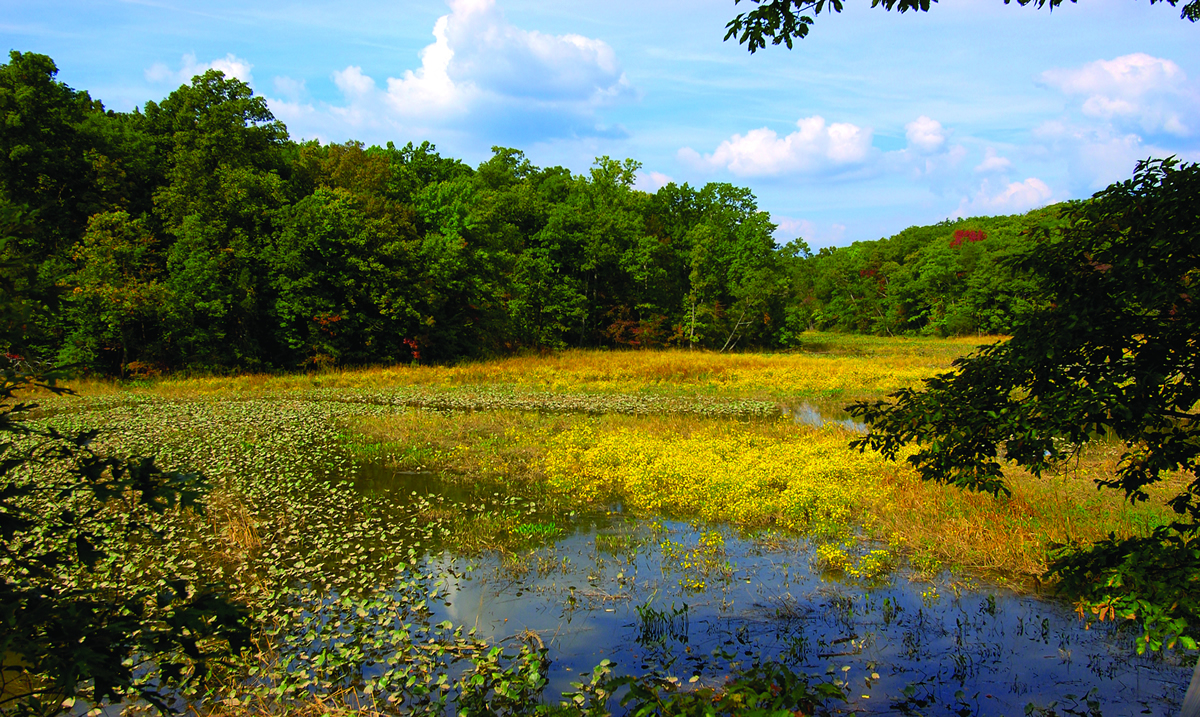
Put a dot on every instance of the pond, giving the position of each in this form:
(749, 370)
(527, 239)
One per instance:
(809, 413)
(345, 559)
(697, 603)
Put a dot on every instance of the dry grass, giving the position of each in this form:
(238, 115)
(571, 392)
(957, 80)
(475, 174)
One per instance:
(836, 364)
(231, 520)
(1011, 536)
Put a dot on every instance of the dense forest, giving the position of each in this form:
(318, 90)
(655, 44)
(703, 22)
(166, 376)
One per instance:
(194, 234)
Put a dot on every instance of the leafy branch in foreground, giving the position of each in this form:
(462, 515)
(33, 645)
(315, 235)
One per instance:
(782, 21)
(1114, 355)
(80, 618)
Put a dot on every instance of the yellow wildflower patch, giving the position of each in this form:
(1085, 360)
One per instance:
(799, 480)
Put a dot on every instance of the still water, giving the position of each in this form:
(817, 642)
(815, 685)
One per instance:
(710, 602)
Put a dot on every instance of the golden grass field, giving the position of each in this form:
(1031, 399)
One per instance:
(758, 473)
(826, 364)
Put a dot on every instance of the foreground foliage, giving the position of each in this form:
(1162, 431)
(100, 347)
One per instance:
(783, 21)
(80, 616)
(1114, 354)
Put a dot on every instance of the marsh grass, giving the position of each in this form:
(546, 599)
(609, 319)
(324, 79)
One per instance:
(231, 519)
(762, 475)
(487, 446)
(291, 523)
(825, 364)
(1010, 536)
(755, 472)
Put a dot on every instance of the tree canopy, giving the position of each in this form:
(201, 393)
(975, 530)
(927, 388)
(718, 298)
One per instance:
(782, 21)
(197, 235)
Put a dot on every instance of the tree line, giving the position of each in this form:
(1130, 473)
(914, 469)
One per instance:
(195, 234)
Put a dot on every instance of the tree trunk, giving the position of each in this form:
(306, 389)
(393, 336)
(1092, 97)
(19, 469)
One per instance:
(1191, 702)
(733, 333)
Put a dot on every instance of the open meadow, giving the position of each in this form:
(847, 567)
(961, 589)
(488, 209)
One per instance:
(350, 509)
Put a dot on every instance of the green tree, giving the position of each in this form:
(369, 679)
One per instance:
(48, 169)
(342, 270)
(1112, 351)
(782, 21)
(116, 298)
(796, 260)
(43, 162)
(462, 265)
(720, 261)
(612, 219)
(535, 235)
(222, 190)
(417, 166)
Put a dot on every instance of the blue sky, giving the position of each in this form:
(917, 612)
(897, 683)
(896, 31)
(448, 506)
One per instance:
(875, 122)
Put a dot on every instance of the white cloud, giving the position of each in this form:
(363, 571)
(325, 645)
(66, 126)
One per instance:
(992, 163)
(1011, 198)
(1135, 92)
(814, 148)
(813, 234)
(1097, 156)
(481, 48)
(353, 83)
(925, 134)
(481, 71)
(651, 181)
(1128, 75)
(928, 156)
(290, 89)
(231, 65)
(430, 88)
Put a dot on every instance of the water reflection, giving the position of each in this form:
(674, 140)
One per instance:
(811, 414)
(904, 647)
(676, 599)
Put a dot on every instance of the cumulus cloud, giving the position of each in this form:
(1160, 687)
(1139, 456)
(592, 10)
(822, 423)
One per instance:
(480, 71)
(1007, 198)
(353, 83)
(478, 46)
(1138, 91)
(815, 147)
(925, 134)
(426, 90)
(928, 156)
(651, 181)
(231, 65)
(992, 163)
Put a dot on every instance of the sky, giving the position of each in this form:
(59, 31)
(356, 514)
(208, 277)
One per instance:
(875, 122)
